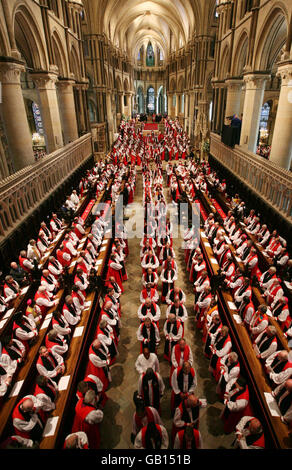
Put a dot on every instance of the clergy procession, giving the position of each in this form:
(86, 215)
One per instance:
(72, 280)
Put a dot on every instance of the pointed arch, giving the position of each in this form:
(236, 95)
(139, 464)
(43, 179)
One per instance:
(224, 69)
(240, 55)
(272, 38)
(28, 38)
(59, 55)
(74, 63)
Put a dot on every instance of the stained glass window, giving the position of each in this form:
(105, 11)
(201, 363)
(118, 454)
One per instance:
(150, 60)
(151, 100)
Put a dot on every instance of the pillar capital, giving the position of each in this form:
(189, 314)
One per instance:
(285, 72)
(45, 81)
(10, 72)
(255, 80)
(65, 84)
(14, 115)
(281, 153)
(85, 85)
(234, 83)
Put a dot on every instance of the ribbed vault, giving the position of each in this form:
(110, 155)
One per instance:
(168, 24)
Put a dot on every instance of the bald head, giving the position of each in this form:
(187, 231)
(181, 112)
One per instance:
(255, 426)
(192, 401)
(96, 343)
(288, 385)
(27, 405)
(283, 355)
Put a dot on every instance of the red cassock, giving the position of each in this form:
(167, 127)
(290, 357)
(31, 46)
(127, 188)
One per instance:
(231, 418)
(173, 395)
(103, 396)
(177, 353)
(99, 372)
(150, 418)
(180, 436)
(21, 261)
(17, 414)
(111, 272)
(201, 313)
(43, 308)
(79, 424)
(82, 266)
(61, 259)
(76, 231)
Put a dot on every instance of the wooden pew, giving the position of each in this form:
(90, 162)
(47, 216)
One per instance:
(257, 295)
(257, 379)
(24, 376)
(78, 349)
(19, 303)
(279, 431)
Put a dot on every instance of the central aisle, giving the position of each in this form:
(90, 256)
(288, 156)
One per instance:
(117, 424)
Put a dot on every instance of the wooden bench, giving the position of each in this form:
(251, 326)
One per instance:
(258, 381)
(257, 295)
(75, 357)
(19, 303)
(23, 377)
(279, 431)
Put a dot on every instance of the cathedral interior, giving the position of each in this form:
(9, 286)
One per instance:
(75, 77)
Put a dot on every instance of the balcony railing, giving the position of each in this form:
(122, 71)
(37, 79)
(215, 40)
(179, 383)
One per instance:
(267, 180)
(23, 191)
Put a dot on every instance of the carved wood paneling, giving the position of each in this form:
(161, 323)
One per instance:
(270, 182)
(21, 192)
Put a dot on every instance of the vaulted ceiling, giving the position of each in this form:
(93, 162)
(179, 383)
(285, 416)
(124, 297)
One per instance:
(129, 24)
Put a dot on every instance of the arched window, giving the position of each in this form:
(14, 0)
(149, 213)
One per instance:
(53, 5)
(150, 59)
(265, 116)
(92, 113)
(216, 11)
(140, 100)
(182, 104)
(151, 100)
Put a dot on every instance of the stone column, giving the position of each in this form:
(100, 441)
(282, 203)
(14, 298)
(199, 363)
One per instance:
(186, 111)
(67, 110)
(218, 118)
(82, 124)
(281, 152)
(178, 104)
(109, 116)
(121, 95)
(234, 89)
(169, 103)
(46, 85)
(253, 101)
(14, 115)
(129, 104)
(191, 115)
(84, 89)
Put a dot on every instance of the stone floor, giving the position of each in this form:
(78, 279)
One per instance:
(118, 413)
